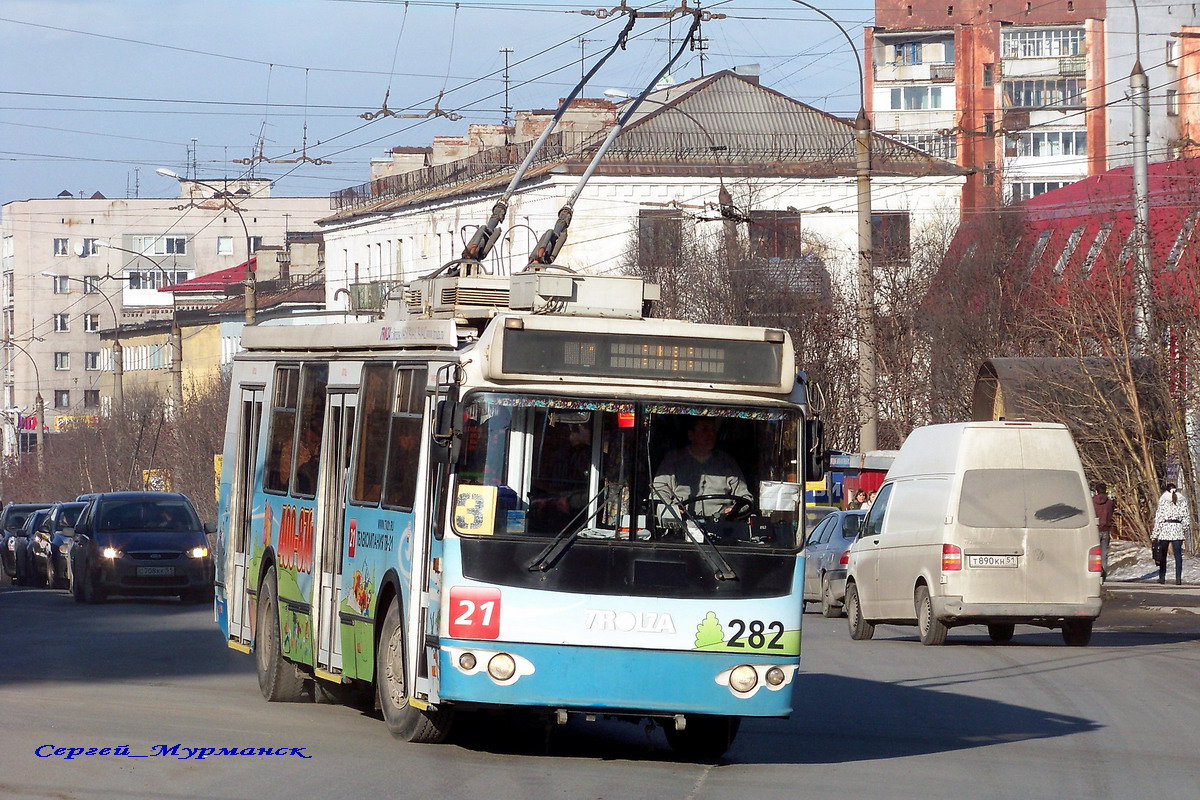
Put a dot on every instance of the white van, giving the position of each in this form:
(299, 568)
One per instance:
(979, 522)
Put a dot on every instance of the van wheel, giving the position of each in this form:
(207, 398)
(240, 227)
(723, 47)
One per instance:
(404, 721)
(860, 629)
(1077, 632)
(278, 679)
(828, 607)
(933, 632)
(1001, 631)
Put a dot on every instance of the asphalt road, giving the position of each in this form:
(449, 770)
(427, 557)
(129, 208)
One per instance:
(884, 718)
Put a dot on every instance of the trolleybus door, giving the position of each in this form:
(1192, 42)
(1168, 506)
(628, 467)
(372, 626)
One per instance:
(330, 525)
(241, 516)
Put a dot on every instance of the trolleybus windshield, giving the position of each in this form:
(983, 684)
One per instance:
(634, 472)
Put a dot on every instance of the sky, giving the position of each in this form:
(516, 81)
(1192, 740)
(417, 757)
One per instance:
(97, 95)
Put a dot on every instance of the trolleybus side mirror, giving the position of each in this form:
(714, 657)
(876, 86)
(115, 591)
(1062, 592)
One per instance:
(446, 440)
(814, 449)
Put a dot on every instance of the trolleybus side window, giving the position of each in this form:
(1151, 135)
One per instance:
(404, 440)
(374, 413)
(283, 429)
(312, 418)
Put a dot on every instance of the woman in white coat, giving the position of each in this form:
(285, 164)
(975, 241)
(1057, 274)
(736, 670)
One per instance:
(1172, 524)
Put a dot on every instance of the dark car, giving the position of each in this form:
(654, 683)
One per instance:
(12, 528)
(50, 543)
(140, 543)
(826, 556)
(21, 550)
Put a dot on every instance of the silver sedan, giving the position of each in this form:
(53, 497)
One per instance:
(825, 558)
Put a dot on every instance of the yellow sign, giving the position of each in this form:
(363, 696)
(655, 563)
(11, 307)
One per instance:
(70, 422)
(156, 480)
(475, 509)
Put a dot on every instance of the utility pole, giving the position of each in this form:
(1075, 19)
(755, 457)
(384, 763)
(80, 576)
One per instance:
(1143, 280)
(507, 107)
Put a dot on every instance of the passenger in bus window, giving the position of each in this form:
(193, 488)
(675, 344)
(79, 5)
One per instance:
(307, 460)
(700, 469)
(561, 490)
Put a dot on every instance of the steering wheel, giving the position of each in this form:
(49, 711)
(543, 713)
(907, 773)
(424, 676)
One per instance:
(740, 507)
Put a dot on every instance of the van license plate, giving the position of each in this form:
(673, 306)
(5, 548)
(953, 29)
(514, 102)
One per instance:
(155, 572)
(991, 561)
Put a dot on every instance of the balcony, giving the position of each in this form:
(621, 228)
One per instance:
(941, 73)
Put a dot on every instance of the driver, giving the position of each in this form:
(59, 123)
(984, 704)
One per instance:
(700, 469)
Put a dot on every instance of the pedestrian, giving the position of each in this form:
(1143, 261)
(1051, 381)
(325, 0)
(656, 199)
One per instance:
(859, 498)
(1103, 505)
(870, 501)
(1172, 524)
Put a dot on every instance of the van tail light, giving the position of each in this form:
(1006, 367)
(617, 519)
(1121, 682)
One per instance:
(951, 558)
(845, 559)
(1095, 560)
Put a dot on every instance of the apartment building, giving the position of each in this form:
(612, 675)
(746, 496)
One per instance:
(1030, 96)
(73, 266)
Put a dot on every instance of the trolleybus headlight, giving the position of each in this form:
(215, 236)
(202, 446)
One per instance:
(743, 679)
(775, 676)
(467, 661)
(502, 667)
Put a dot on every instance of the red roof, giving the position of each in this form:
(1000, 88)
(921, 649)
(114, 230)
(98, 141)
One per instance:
(214, 282)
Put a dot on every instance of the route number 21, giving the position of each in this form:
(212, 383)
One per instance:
(474, 612)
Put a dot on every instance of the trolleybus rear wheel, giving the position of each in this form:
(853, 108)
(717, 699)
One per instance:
(405, 721)
(278, 679)
(703, 737)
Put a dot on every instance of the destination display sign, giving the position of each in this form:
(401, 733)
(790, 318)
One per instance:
(611, 355)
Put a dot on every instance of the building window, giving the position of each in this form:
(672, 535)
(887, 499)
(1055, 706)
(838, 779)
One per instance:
(989, 74)
(224, 245)
(91, 398)
(948, 51)
(908, 53)
(660, 239)
(154, 278)
(989, 173)
(890, 236)
(62, 284)
(255, 243)
(62, 247)
(775, 234)
(89, 247)
(160, 244)
(62, 360)
(916, 98)
(989, 124)
(1042, 144)
(62, 322)
(1045, 93)
(1170, 59)
(1172, 102)
(91, 284)
(91, 322)
(1046, 43)
(91, 360)
(62, 398)
(942, 145)
(1023, 190)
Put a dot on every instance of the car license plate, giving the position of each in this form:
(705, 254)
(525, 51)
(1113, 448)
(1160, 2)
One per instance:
(155, 572)
(991, 561)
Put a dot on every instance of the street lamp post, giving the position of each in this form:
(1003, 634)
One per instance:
(249, 282)
(175, 337)
(868, 408)
(39, 406)
(118, 355)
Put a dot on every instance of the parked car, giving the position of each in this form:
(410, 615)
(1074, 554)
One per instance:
(50, 543)
(21, 549)
(813, 515)
(826, 554)
(983, 523)
(141, 543)
(12, 527)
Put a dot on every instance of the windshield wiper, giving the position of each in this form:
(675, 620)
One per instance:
(548, 558)
(720, 567)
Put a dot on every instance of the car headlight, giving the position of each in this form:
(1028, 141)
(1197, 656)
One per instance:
(198, 552)
(110, 552)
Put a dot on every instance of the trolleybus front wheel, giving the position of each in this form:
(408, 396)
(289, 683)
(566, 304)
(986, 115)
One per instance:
(278, 679)
(703, 737)
(405, 721)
